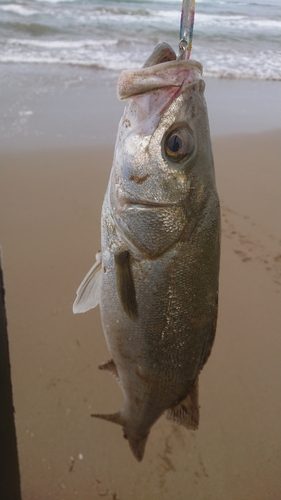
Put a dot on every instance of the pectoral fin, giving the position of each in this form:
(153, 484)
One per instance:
(186, 413)
(88, 293)
(125, 284)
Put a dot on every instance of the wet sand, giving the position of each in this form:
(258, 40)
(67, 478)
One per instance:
(49, 107)
(50, 203)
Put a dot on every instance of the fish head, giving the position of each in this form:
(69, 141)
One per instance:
(162, 153)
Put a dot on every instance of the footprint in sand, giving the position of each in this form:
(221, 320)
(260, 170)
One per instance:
(251, 243)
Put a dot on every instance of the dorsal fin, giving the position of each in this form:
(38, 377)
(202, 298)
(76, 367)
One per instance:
(88, 293)
(186, 413)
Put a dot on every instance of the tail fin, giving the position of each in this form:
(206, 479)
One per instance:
(137, 444)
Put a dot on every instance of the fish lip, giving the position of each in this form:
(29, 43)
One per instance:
(123, 203)
(128, 205)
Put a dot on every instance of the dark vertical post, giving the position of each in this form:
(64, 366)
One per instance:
(9, 464)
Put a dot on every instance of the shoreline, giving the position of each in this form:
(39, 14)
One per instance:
(53, 108)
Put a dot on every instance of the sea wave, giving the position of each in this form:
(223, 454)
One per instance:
(232, 39)
(221, 20)
(263, 65)
(135, 18)
(20, 10)
(120, 11)
(239, 22)
(31, 29)
(60, 44)
(55, 1)
(114, 64)
(116, 55)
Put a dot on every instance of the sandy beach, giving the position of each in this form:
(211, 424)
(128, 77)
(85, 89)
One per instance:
(50, 204)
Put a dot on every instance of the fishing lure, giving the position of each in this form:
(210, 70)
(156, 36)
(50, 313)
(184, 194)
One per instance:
(186, 28)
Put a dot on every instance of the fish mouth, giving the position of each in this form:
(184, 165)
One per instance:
(122, 202)
(143, 205)
(167, 74)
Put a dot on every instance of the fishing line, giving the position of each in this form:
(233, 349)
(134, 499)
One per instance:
(186, 28)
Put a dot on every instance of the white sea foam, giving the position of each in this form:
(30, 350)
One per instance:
(61, 44)
(169, 15)
(26, 112)
(214, 19)
(113, 64)
(219, 20)
(55, 1)
(110, 55)
(262, 23)
(239, 22)
(264, 66)
(18, 9)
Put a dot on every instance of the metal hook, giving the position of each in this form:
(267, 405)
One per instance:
(186, 28)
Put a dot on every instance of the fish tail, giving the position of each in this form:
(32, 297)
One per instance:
(137, 444)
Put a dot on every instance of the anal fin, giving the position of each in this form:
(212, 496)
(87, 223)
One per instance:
(186, 412)
(110, 366)
(115, 418)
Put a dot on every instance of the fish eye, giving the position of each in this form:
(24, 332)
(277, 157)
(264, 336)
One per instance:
(179, 144)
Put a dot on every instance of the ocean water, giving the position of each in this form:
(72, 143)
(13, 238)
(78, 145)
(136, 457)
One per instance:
(232, 38)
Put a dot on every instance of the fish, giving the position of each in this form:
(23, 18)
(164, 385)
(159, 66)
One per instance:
(156, 277)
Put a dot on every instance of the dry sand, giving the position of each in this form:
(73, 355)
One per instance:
(50, 205)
